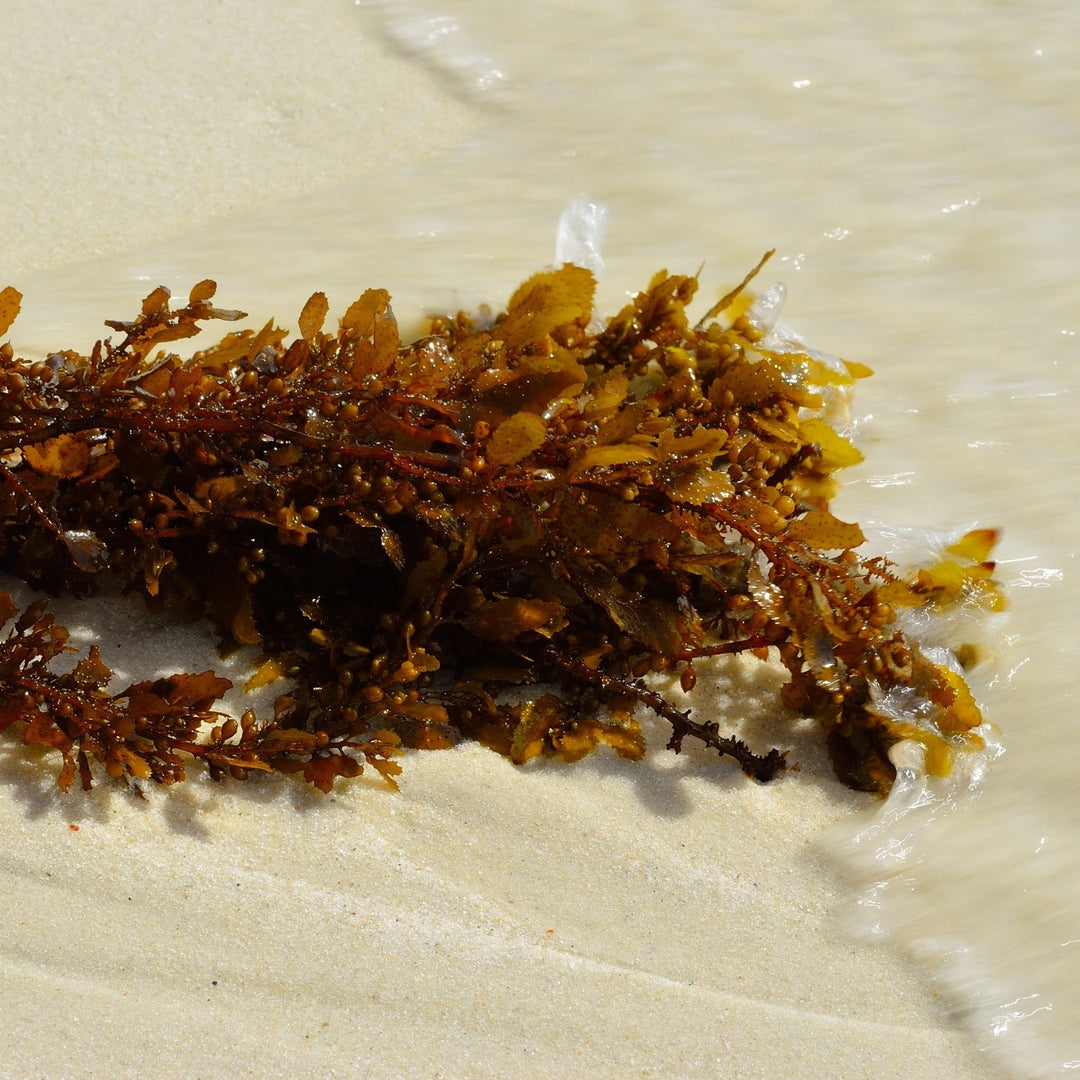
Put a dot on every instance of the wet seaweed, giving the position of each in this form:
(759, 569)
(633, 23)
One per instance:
(412, 532)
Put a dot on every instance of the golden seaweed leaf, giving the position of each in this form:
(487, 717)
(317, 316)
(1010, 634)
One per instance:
(313, 315)
(969, 575)
(10, 303)
(202, 290)
(537, 719)
(820, 529)
(516, 438)
(63, 456)
(270, 670)
(510, 616)
(547, 301)
(369, 334)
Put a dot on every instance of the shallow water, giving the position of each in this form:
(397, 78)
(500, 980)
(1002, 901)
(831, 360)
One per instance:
(915, 173)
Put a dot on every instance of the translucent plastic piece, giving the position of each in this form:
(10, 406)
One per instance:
(580, 235)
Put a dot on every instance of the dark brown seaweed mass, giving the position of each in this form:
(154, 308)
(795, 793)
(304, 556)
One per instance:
(409, 531)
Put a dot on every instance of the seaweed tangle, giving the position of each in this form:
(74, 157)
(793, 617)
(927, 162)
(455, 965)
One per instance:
(411, 532)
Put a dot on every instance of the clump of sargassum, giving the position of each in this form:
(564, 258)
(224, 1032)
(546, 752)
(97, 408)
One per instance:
(412, 532)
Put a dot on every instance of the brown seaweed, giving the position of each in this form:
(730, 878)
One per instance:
(411, 532)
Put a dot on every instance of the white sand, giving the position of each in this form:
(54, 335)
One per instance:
(124, 123)
(661, 919)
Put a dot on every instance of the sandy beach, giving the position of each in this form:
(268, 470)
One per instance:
(611, 919)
